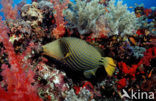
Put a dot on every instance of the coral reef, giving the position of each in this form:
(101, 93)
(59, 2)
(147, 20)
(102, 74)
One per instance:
(27, 74)
(52, 83)
(21, 25)
(115, 20)
(102, 28)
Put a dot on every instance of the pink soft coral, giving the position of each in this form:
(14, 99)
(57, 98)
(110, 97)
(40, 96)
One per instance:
(9, 12)
(59, 7)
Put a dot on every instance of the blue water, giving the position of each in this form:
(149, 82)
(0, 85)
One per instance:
(130, 3)
(146, 3)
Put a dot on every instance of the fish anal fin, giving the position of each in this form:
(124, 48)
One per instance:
(90, 73)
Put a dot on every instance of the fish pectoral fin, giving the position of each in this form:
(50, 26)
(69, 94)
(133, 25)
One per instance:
(89, 73)
(67, 55)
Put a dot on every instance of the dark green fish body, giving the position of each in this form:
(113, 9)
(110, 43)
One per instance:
(82, 56)
(76, 53)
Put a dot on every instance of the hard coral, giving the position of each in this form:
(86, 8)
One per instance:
(56, 87)
(31, 14)
(19, 26)
(84, 95)
(138, 51)
(45, 4)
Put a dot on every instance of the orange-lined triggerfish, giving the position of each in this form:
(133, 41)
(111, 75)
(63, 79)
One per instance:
(79, 56)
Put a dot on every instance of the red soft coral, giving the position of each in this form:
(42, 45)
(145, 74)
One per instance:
(140, 32)
(19, 77)
(9, 12)
(148, 55)
(121, 83)
(147, 11)
(131, 71)
(128, 70)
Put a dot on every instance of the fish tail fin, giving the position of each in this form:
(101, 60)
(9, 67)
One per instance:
(109, 65)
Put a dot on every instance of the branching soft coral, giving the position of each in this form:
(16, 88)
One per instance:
(59, 7)
(19, 77)
(120, 20)
(9, 12)
(101, 28)
(83, 15)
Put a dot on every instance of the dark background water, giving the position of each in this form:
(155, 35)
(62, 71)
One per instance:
(130, 3)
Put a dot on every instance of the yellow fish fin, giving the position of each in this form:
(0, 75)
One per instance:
(67, 55)
(90, 73)
(109, 65)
